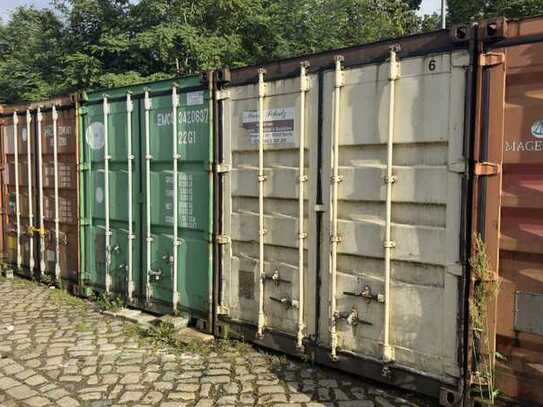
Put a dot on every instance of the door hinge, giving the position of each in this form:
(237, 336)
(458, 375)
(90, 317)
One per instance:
(222, 310)
(84, 166)
(222, 94)
(84, 222)
(222, 168)
(491, 59)
(222, 239)
(486, 169)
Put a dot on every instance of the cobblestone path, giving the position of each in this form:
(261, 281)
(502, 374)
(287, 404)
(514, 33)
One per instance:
(57, 350)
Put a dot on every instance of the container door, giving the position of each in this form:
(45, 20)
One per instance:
(269, 245)
(392, 266)
(60, 195)
(20, 208)
(178, 218)
(110, 181)
(510, 208)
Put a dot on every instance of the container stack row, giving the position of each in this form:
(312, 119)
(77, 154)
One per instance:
(339, 205)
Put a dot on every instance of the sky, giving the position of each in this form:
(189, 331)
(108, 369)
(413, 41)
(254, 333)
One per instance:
(428, 6)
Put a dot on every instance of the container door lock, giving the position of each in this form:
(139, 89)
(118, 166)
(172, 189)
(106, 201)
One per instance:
(487, 169)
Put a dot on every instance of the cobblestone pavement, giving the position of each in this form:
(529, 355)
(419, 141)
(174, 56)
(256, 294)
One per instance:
(57, 350)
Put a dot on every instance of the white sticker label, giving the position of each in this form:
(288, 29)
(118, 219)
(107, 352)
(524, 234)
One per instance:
(50, 255)
(24, 134)
(195, 98)
(537, 129)
(94, 135)
(99, 195)
(278, 125)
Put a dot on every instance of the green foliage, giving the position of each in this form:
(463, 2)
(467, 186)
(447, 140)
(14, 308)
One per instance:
(82, 44)
(471, 10)
(108, 302)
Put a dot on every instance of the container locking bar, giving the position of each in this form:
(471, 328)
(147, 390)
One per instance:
(390, 179)
(276, 278)
(351, 317)
(105, 108)
(148, 158)
(131, 237)
(367, 295)
(29, 183)
(55, 169)
(42, 232)
(335, 179)
(17, 194)
(261, 180)
(289, 303)
(176, 157)
(302, 179)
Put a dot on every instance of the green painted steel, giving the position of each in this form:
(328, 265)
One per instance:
(152, 275)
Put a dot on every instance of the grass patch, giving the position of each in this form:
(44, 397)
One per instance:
(109, 302)
(21, 282)
(83, 327)
(165, 337)
(62, 297)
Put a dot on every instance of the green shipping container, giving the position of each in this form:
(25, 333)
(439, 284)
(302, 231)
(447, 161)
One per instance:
(162, 170)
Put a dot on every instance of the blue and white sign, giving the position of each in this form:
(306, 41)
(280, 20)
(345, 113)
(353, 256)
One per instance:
(537, 129)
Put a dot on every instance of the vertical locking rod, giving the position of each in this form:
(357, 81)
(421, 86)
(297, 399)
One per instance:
(148, 237)
(29, 183)
(40, 192)
(334, 239)
(54, 114)
(261, 180)
(302, 178)
(176, 157)
(388, 351)
(131, 237)
(106, 194)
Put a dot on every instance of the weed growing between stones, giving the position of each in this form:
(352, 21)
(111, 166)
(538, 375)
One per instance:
(485, 289)
(62, 297)
(108, 302)
(164, 336)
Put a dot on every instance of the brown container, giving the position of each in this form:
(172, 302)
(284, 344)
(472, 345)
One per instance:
(508, 205)
(42, 228)
(24, 162)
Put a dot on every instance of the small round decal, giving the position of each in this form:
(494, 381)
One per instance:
(99, 195)
(537, 129)
(94, 135)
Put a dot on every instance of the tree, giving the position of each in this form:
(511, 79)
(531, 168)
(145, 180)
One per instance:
(461, 11)
(82, 44)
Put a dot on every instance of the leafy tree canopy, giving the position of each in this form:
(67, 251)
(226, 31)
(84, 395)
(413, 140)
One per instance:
(80, 44)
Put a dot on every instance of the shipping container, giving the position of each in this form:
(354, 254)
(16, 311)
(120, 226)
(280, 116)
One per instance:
(39, 190)
(342, 202)
(147, 188)
(508, 204)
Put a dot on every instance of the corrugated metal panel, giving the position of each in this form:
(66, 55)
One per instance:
(38, 189)
(241, 288)
(427, 164)
(158, 262)
(513, 231)
(25, 183)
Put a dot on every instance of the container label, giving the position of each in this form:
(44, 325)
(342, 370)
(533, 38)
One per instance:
(537, 129)
(278, 125)
(99, 195)
(195, 98)
(94, 135)
(24, 134)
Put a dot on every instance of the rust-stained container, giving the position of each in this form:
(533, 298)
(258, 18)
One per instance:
(508, 209)
(19, 196)
(39, 149)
